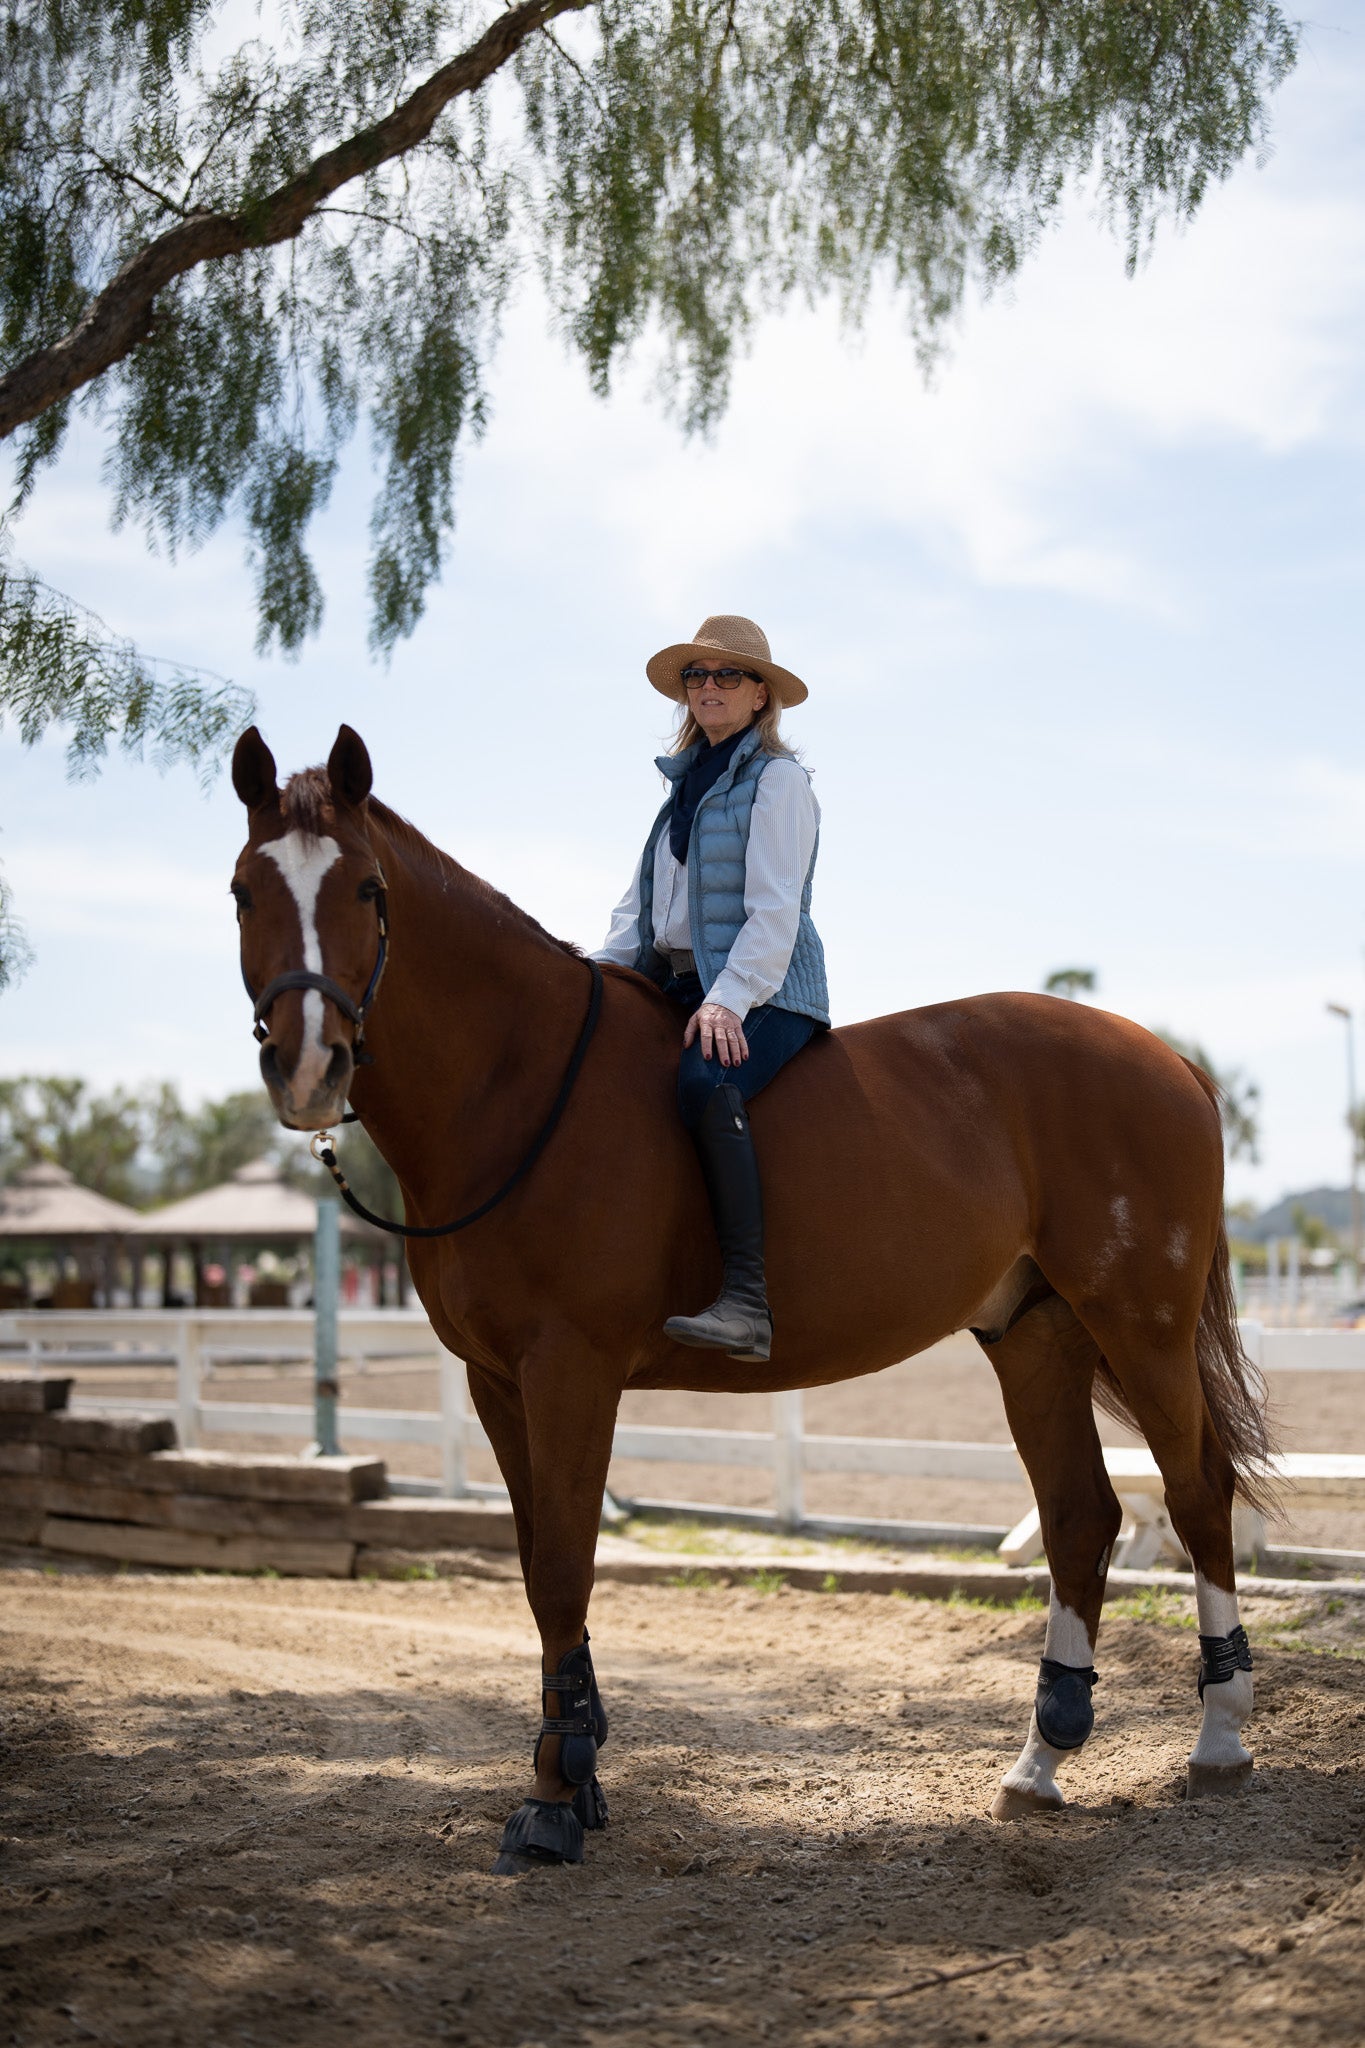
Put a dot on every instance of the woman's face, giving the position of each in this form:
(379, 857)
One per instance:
(721, 712)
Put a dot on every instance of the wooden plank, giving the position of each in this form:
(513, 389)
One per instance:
(369, 1425)
(232, 1475)
(208, 1514)
(749, 1447)
(31, 1395)
(25, 1490)
(907, 1458)
(409, 1524)
(126, 1543)
(155, 1473)
(277, 1476)
(20, 1525)
(28, 1458)
(89, 1432)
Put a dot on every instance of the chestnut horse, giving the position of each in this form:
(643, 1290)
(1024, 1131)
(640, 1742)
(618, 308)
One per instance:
(1043, 1174)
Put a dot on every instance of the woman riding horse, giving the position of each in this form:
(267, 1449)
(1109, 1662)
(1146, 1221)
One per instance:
(718, 916)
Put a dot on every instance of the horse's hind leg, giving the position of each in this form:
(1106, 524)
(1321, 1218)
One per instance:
(1161, 1384)
(1046, 1366)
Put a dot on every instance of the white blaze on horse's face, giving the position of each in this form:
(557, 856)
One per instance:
(303, 861)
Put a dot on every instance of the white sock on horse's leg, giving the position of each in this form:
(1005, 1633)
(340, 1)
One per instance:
(1033, 1779)
(1226, 1706)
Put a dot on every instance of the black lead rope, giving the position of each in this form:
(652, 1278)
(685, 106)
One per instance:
(324, 1151)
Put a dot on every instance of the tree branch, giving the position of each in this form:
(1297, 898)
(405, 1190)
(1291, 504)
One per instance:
(120, 316)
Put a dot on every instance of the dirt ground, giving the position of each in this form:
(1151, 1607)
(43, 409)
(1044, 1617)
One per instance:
(947, 1392)
(263, 1812)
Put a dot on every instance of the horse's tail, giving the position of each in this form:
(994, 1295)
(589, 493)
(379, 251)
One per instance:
(1234, 1390)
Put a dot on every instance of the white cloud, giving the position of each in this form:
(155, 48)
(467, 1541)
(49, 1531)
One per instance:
(73, 891)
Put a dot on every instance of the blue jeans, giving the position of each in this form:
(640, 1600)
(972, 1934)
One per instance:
(773, 1037)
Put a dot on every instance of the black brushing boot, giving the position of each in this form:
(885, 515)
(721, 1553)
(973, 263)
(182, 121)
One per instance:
(738, 1321)
(547, 1831)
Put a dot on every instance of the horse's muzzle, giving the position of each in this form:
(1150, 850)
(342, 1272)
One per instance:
(299, 1106)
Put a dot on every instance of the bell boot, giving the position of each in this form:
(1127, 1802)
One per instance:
(738, 1321)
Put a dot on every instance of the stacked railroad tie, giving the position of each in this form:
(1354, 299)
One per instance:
(117, 1489)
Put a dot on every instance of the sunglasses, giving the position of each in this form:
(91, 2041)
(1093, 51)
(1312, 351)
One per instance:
(725, 678)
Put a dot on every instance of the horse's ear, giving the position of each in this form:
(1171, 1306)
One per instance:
(348, 768)
(253, 770)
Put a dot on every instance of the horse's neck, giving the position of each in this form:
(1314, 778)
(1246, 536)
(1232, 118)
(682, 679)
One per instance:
(471, 1027)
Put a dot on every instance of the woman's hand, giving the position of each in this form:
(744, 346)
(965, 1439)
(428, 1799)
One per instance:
(722, 1034)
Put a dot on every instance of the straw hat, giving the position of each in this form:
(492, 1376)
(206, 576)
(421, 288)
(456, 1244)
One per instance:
(741, 642)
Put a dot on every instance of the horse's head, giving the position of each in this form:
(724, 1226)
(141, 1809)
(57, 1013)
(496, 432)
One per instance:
(310, 905)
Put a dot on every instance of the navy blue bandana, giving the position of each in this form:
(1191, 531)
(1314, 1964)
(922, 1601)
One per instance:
(710, 764)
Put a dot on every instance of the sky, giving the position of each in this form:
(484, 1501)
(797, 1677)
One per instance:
(1080, 617)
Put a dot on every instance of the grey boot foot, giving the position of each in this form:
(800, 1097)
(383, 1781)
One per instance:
(736, 1327)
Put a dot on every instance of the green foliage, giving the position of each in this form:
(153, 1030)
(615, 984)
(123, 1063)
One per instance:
(1071, 982)
(145, 1147)
(670, 167)
(1239, 1098)
(16, 955)
(1312, 1233)
(60, 666)
(95, 1137)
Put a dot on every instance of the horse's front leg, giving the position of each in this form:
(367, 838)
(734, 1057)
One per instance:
(569, 1400)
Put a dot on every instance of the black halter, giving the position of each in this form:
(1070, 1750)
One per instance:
(304, 977)
(321, 1143)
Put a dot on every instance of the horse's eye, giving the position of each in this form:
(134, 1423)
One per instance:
(369, 889)
(242, 894)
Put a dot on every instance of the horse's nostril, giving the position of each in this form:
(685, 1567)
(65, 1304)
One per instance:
(338, 1068)
(270, 1066)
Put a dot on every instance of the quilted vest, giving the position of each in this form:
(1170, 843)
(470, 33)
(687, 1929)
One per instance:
(716, 858)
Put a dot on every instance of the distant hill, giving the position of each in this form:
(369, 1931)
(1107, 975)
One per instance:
(1331, 1205)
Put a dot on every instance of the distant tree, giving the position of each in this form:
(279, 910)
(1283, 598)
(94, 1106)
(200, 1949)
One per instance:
(145, 1147)
(1311, 1231)
(1239, 1098)
(16, 955)
(1071, 982)
(95, 1137)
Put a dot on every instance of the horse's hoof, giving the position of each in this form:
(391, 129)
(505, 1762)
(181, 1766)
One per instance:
(1019, 1802)
(541, 1831)
(590, 1804)
(1215, 1781)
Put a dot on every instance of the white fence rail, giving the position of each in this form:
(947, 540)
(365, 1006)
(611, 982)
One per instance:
(198, 1344)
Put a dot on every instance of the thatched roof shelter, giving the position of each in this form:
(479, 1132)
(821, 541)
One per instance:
(46, 1204)
(256, 1206)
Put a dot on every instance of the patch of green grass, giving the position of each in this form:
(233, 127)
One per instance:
(1026, 1603)
(969, 1553)
(267, 1571)
(830, 1583)
(689, 1581)
(688, 1539)
(767, 1581)
(423, 1569)
(1153, 1603)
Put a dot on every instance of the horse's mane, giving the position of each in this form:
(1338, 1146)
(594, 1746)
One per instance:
(307, 798)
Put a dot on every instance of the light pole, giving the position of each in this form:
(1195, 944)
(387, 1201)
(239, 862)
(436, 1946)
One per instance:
(1340, 1010)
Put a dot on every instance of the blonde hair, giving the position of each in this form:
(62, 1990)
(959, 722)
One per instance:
(768, 720)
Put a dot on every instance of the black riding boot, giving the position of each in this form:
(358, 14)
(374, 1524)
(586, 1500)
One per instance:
(738, 1321)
